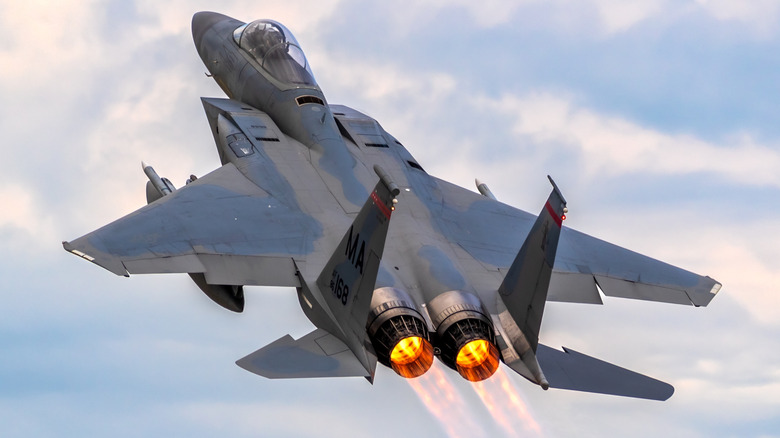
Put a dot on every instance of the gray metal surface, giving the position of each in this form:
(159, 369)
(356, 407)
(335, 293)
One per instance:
(318, 354)
(575, 371)
(295, 173)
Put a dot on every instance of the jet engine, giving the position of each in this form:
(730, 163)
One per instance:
(399, 333)
(465, 339)
(228, 296)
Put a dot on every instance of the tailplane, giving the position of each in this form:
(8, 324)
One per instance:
(318, 354)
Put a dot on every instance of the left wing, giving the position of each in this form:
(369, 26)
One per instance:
(222, 225)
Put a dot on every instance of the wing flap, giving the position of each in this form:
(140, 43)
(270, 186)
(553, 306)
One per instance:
(573, 288)
(164, 265)
(250, 270)
(575, 371)
(318, 354)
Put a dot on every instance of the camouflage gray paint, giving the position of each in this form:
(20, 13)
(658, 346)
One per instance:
(295, 173)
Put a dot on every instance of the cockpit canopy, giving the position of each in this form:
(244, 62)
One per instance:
(276, 50)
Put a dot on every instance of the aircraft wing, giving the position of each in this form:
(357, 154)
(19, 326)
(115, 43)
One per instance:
(222, 225)
(491, 232)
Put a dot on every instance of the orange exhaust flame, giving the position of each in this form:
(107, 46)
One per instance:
(477, 360)
(411, 357)
(505, 404)
(443, 402)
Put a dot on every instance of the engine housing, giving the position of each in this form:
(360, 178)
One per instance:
(465, 338)
(399, 333)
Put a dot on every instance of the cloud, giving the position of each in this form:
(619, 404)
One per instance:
(613, 146)
(760, 16)
(22, 220)
(618, 16)
(51, 37)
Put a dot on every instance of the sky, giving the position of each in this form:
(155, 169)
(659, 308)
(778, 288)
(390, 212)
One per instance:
(658, 119)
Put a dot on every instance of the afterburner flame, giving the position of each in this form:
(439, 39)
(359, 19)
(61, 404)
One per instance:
(477, 360)
(407, 350)
(411, 357)
(506, 406)
(457, 418)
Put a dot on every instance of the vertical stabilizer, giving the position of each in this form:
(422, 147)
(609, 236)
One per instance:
(523, 292)
(347, 281)
(337, 303)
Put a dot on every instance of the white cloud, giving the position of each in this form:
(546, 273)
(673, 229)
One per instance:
(20, 210)
(620, 15)
(47, 40)
(760, 16)
(613, 146)
(381, 82)
(174, 16)
(753, 280)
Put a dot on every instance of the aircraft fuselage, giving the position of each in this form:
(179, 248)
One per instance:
(242, 78)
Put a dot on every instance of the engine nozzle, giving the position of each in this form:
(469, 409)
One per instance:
(465, 336)
(398, 333)
(477, 357)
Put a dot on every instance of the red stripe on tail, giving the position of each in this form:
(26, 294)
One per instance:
(556, 218)
(382, 207)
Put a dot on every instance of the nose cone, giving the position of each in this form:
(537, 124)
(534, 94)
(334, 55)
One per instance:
(202, 22)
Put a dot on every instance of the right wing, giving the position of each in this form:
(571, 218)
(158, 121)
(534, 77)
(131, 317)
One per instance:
(585, 262)
(222, 225)
(491, 232)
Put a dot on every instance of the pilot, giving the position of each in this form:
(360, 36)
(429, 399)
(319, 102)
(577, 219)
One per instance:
(271, 38)
(259, 38)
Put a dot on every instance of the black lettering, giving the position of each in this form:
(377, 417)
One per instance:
(359, 263)
(352, 247)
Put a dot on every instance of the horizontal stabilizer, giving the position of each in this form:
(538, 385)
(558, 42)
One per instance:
(318, 354)
(569, 369)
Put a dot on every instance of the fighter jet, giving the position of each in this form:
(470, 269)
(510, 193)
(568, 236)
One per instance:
(390, 263)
